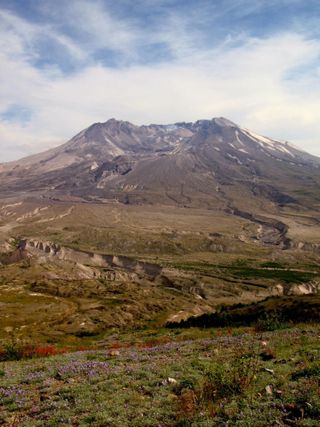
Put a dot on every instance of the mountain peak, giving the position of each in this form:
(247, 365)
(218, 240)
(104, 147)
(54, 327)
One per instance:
(162, 163)
(97, 130)
(222, 121)
(114, 121)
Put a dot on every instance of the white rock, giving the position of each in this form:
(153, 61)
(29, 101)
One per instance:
(268, 390)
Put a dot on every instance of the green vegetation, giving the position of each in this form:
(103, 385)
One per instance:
(83, 345)
(287, 276)
(272, 321)
(244, 269)
(220, 378)
(271, 264)
(270, 314)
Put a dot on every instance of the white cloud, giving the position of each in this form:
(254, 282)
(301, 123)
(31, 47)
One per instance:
(20, 38)
(253, 84)
(100, 28)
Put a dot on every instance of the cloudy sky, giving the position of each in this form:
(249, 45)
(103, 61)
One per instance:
(67, 64)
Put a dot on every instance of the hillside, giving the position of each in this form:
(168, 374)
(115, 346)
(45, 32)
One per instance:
(199, 378)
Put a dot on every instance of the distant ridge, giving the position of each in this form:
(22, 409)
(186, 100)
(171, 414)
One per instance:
(208, 163)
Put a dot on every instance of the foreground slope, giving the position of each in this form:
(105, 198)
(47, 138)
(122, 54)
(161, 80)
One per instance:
(221, 378)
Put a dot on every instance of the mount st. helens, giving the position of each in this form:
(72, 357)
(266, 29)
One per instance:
(209, 163)
(126, 224)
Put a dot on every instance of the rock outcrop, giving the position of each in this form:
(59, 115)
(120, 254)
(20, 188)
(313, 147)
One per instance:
(51, 250)
(296, 289)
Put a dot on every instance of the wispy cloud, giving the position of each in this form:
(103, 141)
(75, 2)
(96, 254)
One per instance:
(264, 82)
(19, 37)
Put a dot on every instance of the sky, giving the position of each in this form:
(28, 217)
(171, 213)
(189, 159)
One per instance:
(67, 64)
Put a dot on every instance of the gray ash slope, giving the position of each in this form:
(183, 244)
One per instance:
(208, 163)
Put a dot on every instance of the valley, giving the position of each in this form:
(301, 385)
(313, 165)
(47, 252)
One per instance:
(77, 271)
(158, 262)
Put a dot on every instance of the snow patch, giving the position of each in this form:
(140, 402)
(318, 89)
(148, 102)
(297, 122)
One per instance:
(114, 150)
(238, 138)
(267, 142)
(234, 158)
(170, 128)
(94, 166)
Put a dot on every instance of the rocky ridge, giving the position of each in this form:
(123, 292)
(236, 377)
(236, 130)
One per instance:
(50, 250)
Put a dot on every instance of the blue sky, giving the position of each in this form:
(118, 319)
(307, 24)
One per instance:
(66, 64)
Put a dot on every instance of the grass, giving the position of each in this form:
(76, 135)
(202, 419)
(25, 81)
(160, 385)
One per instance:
(271, 264)
(244, 269)
(188, 381)
(286, 276)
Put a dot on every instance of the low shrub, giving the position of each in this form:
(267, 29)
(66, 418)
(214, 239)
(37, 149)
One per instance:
(16, 351)
(232, 379)
(220, 383)
(270, 321)
(11, 351)
(309, 372)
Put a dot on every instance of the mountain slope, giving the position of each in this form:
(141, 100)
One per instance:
(209, 163)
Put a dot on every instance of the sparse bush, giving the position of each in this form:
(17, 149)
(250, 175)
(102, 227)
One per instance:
(184, 385)
(271, 264)
(188, 404)
(309, 372)
(221, 383)
(11, 351)
(231, 379)
(270, 321)
(15, 242)
(89, 419)
(305, 404)
(267, 354)
(188, 384)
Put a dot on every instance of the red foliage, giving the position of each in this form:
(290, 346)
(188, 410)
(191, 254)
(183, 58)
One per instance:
(29, 351)
(116, 345)
(43, 351)
(47, 350)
